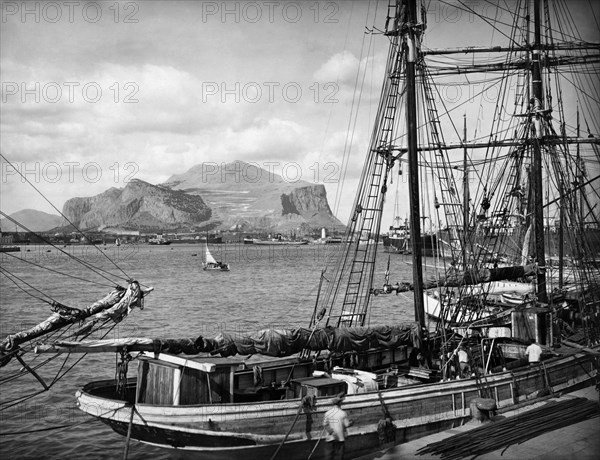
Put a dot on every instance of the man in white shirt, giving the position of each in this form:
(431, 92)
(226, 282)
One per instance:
(533, 352)
(335, 422)
(463, 362)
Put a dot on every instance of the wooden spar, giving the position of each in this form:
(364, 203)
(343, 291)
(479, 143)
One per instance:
(561, 243)
(517, 65)
(579, 176)
(465, 195)
(548, 140)
(32, 372)
(581, 347)
(314, 319)
(412, 39)
(510, 49)
(538, 107)
(97, 346)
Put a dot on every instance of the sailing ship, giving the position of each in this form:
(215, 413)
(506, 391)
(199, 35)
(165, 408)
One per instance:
(222, 407)
(398, 239)
(278, 240)
(210, 263)
(275, 242)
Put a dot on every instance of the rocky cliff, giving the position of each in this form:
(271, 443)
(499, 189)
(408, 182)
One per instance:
(245, 195)
(308, 202)
(139, 205)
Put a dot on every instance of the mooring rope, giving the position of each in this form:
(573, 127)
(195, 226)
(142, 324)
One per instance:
(316, 444)
(126, 453)
(300, 407)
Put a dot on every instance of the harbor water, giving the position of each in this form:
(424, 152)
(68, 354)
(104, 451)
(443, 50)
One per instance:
(268, 286)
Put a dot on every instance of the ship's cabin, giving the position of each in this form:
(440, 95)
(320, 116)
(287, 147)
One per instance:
(172, 380)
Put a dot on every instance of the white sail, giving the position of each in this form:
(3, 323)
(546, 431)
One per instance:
(208, 258)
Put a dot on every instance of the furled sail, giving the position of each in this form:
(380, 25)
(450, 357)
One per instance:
(270, 342)
(526, 243)
(116, 305)
(470, 278)
(486, 275)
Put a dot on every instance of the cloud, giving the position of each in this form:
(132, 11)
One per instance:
(341, 68)
(271, 138)
(173, 93)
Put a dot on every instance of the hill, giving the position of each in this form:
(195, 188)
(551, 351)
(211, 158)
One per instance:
(31, 219)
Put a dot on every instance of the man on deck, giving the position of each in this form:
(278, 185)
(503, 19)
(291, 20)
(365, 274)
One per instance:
(335, 422)
(463, 362)
(533, 352)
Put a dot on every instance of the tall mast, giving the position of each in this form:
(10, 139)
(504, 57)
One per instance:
(538, 107)
(561, 243)
(465, 195)
(412, 37)
(579, 179)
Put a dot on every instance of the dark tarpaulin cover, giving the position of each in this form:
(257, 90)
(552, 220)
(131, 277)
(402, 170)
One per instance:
(285, 342)
(270, 342)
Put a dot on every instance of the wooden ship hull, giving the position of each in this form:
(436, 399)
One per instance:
(501, 298)
(10, 249)
(219, 267)
(168, 405)
(279, 243)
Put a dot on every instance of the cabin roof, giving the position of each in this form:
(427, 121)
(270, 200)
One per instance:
(217, 361)
(205, 364)
(318, 381)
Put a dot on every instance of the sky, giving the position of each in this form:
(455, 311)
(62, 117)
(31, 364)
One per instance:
(95, 94)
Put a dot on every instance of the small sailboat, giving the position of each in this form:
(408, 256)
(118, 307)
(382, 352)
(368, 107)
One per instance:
(210, 263)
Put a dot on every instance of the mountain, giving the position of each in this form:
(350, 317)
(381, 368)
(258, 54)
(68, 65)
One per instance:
(240, 192)
(30, 219)
(234, 195)
(138, 206)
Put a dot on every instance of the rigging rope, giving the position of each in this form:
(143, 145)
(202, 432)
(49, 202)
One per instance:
(10, 276)
(56, 209)
(353, 111)
(21, 259)
(58, 376)
(77, 259)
